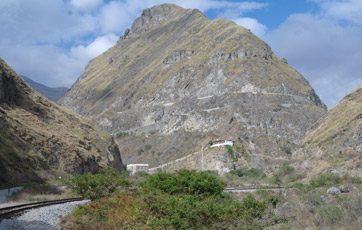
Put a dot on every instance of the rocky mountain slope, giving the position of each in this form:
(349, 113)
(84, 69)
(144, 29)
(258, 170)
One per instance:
(40, 139)
(335, 141)
(52, 93)
(176, 79)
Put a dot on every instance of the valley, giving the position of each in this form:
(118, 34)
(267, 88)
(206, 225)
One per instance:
(205, 107)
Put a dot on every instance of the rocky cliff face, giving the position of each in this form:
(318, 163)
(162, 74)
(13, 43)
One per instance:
(176, 79)
(40, 139)
(335, 141)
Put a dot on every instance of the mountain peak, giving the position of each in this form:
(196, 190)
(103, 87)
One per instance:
(156, 16)
(179, 78)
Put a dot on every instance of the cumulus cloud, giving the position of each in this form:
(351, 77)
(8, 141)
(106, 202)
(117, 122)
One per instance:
(325, 52)
(250, 23)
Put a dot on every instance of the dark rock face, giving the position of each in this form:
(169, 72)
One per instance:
(179, 72)
(39, 139)
(8, 87)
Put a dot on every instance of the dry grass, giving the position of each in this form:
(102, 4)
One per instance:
(316, 210)
(39, 193)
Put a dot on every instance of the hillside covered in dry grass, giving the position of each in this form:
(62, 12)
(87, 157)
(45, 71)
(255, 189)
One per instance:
(40, 139)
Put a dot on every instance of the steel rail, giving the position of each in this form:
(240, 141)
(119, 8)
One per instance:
(12, 211)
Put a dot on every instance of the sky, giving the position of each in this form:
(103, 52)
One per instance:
(52, 41)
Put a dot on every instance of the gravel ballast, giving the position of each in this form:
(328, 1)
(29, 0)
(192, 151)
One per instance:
(44, 218)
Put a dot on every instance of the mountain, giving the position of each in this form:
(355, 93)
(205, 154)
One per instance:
(53, 94)
(40, 139)
(176, 80)
(335, 141)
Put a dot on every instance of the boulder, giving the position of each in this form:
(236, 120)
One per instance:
(344, 189)
(333, 191)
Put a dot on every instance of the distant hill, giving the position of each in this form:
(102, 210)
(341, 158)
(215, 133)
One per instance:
(53, 94)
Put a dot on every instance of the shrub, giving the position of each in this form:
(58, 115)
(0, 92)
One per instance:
(275, 179)
(148, 147)
(95, 186)
(298, 185)
(331, 214)
(351, 179)
(141, 174)
(231, 152)
(293, 178)
(185, 200)
(121, 134)
(253, 172)
(139, 151)
(166, 211)
(184, 182)
(285, 169)
(326, 179)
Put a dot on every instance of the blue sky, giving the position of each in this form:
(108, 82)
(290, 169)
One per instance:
(52, 41)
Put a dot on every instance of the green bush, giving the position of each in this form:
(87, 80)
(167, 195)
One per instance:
(139, 151)
(148, 147)
(293, 178)
(326, 179)
(231, 152)
(350, 179)
(253, 173)
(285, 169)
(185, 200)
(331, 214)
(141, 174)
(184, 182)
(95, 186)
(275, 179)
(121, 134)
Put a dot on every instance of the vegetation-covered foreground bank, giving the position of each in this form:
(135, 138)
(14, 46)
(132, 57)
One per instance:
(195, 200)
(185, 200)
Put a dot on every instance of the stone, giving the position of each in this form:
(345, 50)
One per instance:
(333, 191)
(344, 189)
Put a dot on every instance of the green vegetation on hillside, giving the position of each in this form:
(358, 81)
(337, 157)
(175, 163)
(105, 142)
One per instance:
(185, 200)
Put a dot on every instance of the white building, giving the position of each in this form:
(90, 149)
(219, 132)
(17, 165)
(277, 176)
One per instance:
(133, 168)
(222, 142)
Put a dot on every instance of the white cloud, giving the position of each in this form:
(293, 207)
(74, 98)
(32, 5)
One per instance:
(86, 5)
(52, 41)
(116, 16)
(97, 47)
(325, 52)
(349, 10)
(252, 24)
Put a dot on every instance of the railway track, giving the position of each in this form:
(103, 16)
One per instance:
(13, 211)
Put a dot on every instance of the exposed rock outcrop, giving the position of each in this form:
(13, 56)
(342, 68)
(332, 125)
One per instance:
(40, 139)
